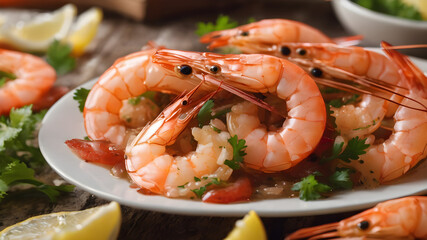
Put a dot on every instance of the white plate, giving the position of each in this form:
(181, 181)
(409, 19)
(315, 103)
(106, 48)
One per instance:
(64, 121)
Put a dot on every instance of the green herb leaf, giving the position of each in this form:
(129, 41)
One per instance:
(222, 22)
(199, 192)
(340, 179)
(396, 8)
(205, 113)
(80, 95)
(59, 57)
(238, 152)
(355, 147)
(196, 179)
(310, 189)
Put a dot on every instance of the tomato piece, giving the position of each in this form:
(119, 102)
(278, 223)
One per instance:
(241, 190)
(49, 98)
(96, 151)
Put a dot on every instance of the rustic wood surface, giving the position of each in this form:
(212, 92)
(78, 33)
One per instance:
(119, 36)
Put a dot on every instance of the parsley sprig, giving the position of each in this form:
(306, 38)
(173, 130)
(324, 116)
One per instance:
(222, 22)
(354, 149)
(311, 189)
(58, 55)
(206, 114)
(18, 155)
(238, 152)
(80, 95)
(392, 7)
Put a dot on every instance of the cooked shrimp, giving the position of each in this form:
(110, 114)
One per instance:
(407, 144)
(268, 151)
(151, 167)
(270, 31)
(29, 78)
(128, 77)
(404, 218)
(328, 63)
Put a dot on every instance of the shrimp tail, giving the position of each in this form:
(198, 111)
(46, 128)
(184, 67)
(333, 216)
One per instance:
(415, 78)
(348, 40)
(317, 232)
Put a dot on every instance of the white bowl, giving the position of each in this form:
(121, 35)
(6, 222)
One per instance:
(376, 27)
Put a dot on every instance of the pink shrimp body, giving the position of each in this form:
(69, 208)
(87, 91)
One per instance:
(268, 151)
(407, 144)
(128, 77)
(150, 165)
(339, 62)
(404, 218)
(34, 77)
(267, 31)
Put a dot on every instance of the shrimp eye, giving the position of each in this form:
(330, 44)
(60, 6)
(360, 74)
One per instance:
(363, 225)
(316, 72)
(301, 51)
(184, 102)
(214, 69)
(185, 69)
(244, 34)
(285, 51)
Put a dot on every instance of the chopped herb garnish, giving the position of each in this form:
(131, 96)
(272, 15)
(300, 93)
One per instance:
(355, 147)
(197, 179)
(340, 179)
(238, 152)
(59, 57)
(199, 192)
(310, 189)
(205, 114)
(135, 100)
(5, 76)
(216, 130)
(222, 22)
(183, 185)
(216, 181)
(337, 103)
(204, 178)
(365, 127)
(80, 96)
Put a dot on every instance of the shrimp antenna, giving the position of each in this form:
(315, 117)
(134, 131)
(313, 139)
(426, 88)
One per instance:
(257, 101)
(317, 232)
(366, 85)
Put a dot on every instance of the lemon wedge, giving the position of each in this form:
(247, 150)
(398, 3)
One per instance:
(101, 222)
(421, 5)
(249, 228)
(38, 33)
(84, 30)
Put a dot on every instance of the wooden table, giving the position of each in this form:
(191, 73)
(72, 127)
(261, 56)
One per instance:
(119, 36)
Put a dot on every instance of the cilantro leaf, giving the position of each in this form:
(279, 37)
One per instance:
(17, 154)
(238, 152)
(222, 22)
(354, 149)
(199, 192)
(205, 113)
(80, 95)
(5, 76)
(59, 57)
(310, 189)
(340, 179)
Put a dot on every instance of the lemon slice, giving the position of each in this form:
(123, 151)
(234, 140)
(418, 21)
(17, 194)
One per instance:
(249, 228)
(421, 5)
(96, 223)
(38, 33)
(84, 30)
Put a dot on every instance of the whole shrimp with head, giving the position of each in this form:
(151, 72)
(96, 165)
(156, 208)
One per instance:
(403, 218)
(268, 151)
(271, 31)
(407, 145)
(353, 69)
(150, 165)
(24, 79)
(105, 114)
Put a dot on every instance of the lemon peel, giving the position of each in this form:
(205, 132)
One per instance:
(248, 228)
(38, 33)
(101, 222)
(84, 30)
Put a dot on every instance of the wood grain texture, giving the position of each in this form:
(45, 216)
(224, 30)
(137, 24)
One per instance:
(119, 36)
